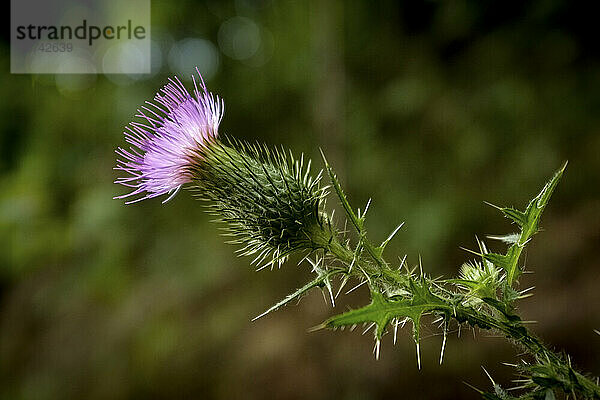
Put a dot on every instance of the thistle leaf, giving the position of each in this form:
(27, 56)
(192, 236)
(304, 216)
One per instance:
(517, 216)
(382, 310)
(499, 260)
(529, 223)
(537, 205)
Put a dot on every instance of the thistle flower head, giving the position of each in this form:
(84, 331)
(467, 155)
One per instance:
(479, 272)
(164, 143)
(269, 201)
(271, 204)
(481, 279)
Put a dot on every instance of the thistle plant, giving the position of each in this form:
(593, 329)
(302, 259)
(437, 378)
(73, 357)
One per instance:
(271, 206)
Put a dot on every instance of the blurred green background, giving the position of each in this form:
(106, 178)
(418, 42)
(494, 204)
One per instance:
(428, 107)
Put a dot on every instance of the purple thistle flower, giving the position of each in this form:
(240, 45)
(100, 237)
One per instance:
(164, 146)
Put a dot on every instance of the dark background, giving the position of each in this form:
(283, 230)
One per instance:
(428, 107)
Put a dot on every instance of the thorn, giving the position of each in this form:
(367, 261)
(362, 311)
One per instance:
(328, 285)
(402, 262)
(418, 356)
(471, 251)
(324, 297)
(368, 327)
(529, 322)
(344, 281)
(323, 157)
(263, 267)
(365, 273)
(366, 208)
(259, 316)
(351, 265)
(304, 258)
(525, 296)
(377, 348)
(517, 388)
(526, 290)
(396, 330)
(527, 272)
(443, 344)
(493, 205)
(420, 266)
(317, 328)
(313, 264)
(488, 375)
(473, 387)
(356, 287)
(479, 244)
(391, 236)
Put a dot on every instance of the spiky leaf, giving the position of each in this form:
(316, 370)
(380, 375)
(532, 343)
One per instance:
(382, 310)
(529, 222)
